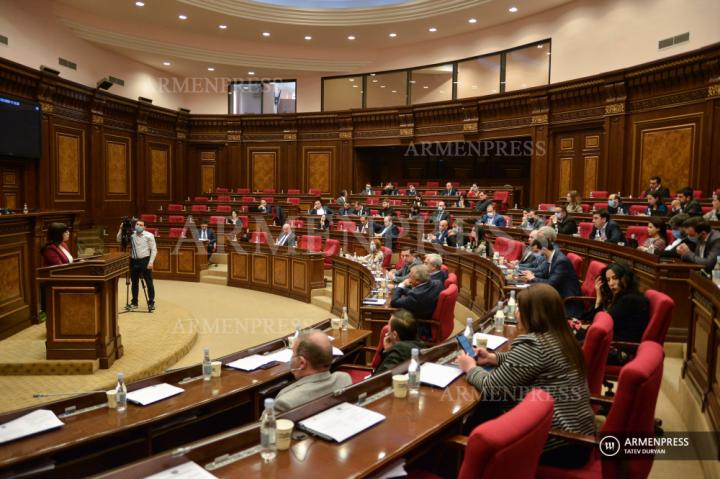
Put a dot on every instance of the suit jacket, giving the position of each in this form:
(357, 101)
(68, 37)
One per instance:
(561, 275)
(568, 226)
(264, 209)
(347, 211)
(440, 275)
(325, 208)
(390, 191)
(441, 237)
(709, 255)
(402, 274)
(660, 210)
(398, 354)
(532, 261)
(670, 250)
(369, 227)
(367, 192)
(389, 211)
(411, 193)
(388, 234)
(497, 220)
(662, 192)
(309, 388)
(291, 240)
(53, 255)
(614, 210)
(692, 208)
(420, 300)
(210, 236)
(481, 206)
(534, 225)
(437, 217)
(452, 192)
(613, 234)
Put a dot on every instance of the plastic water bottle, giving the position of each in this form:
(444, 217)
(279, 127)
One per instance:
(267, 432)
(716, 273)
(25, 208)
(468, 333)
(414, 372)
(345, 319)
(512, 304)
(597, 235)
(499, 319)
(121, 393)
(206, 365)
(483, 250)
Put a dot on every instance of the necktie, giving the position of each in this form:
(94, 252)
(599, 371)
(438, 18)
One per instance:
(204, 235)
(282, 240)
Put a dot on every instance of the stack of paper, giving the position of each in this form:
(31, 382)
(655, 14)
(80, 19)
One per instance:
(493, 341)
(152, 394)
(29, 424)
(374, 301)
(341, 422)
(254, 361)
(438, 374)
(337, 351)
(188, 470)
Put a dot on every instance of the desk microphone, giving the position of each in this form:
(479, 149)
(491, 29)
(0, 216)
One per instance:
(70, 393)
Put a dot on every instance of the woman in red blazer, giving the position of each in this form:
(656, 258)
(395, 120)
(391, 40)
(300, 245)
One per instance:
(56, 251)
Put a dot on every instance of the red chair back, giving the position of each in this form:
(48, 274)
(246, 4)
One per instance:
(224, 199)
(217, 220)
(697, 194)
(201, 199)
(268, 199)
(425, 215)
(174, 207)
(148, 217)
(259, 237)
(377, 358)
(637, 209)
(502, 197)
(224, 209)
(293, 191)
(576, 262)
(310, 243)
(509, 248)
(599, 206)
(314, 191)
(154, 231)
(431, 203)
(429, 193)
(245, 220)
(400, 231)
(387, 257)
(595, 350)
(242, 191)
(585, 207)
(176, 233)
(585, 228)
(451, 279)
(432, 184)
(176, 219)
(402, 191)
(510, 445)
(445, 313)
(640, 232)
(374, 212)
(661, 309)
(296, 223)
(332, 247)
(598, 194)
(395, 202)
(269, 191)
(247, 199)
(199, 208)
(294, 201)
(705, 209)
(546, 206)
(346, 226)
(373, 201)
(593, 271)
(221, 189)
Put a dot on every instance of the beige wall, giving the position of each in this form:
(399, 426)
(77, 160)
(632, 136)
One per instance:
(588, 37)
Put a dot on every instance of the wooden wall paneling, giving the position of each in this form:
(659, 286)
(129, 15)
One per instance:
(10, 187)
(208, 170)
(590, 170)
(566, 171)
(263, 166)
(540, 189)
(69, 164)
(318, 168)
(236, 178)
(118, 168)
(160, 170)
(180, 190)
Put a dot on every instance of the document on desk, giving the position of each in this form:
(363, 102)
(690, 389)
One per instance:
(493, 341)
(337, 351)
(29, 424)
(341, 422)
(282, 356)
(438, 375)
(188, 470)
(249, 363)
(154, 393)
(374, 301)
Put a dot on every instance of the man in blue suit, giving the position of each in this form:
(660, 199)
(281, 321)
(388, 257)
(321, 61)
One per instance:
(388, 232)
(441, 214)
(418, 294)
(492, 218)
(449, 190)
(606, 229)
(559, 274)
(441, 235)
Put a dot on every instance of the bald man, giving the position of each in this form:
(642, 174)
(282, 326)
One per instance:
(287, 238)
(310, 364)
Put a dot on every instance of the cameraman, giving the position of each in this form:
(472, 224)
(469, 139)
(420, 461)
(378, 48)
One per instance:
(143, 251)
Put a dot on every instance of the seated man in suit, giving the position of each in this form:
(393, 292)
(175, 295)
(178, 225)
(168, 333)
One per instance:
(359, 210)
(714, 213)
(675, 223)
(559, 273)
(418, 294)
(263, 207)
(605, 229)
(318, 209)
(456, 235)
(449, 190)
(440, 214)
(347, 209)
(411, 191)
(389, 189)
(366, 226)
(433, 262)
(205, 234)
(287, 237)
(388, 231)
(706, 240)
(386, 209)
(409, 259)
(531, 259)
(531, 221)
(399, 341)
(615, 205)
(562, 222)
(368, 190)
(482, 202)
(492, 218)
(441, 235)
(688, 204)
(310, 364)
(657, 188)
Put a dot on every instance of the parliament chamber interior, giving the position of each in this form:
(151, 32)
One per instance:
(367, 238)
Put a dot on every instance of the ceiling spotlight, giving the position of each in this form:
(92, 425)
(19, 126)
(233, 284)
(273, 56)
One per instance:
(375, 81)
(266, 34)
(182, 17)
(540, 45)
(426, 87)
(432, 29)
(222, 27)
(472, 20)
(412, 81)
(211, 69)
(308, 37)
(352, 79)
(351, 37)
(393, 35)
(382, 86)
(394, 91)
(355, 86)
(373, 74)
(251, 73)
(512, 9)
(167, 64)
(140, 4)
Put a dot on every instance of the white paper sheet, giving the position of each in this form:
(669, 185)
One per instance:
(395, 469)
(283, 356)
(337, 351)
(249, 363)
(438, 375)
(152, 394)
(375, 301)
(29, 424)
(493, 341)
(341, 422)
(188, 470)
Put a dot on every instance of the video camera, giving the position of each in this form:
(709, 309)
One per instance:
(126, 230)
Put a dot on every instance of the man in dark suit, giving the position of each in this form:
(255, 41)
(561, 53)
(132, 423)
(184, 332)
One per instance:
(679, 233)
(359, 210)
(386, 209)
(449, 190)
(207, 236)
(707, 244)
(368, 190)
(389, 189)
(559, 274)
(605, 229)
(441, 214)
(409, 259)
(492, 218)
(418, 294)
(657, 188)
(564, 223)
(388, 231)
(441, 235)
(318, 209)
(531, 258)
(688, 204)
(482, 202)
(287, 238)
(399, 341)
(433, 262)
(263, 207)
(411, 191)
(366, 226)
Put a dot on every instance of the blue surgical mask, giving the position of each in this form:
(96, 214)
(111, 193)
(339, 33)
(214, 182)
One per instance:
(558, 216)
(139, 229)
(372, 247)
(490, 215)
(612, 203)
(676, 234)
(693, 239)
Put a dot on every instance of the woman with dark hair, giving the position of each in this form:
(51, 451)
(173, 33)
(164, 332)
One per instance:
(544, 355)
(656, 241)
(617, 293)
(462, 202)
(414, 213)
(56, 251)
(655, 205)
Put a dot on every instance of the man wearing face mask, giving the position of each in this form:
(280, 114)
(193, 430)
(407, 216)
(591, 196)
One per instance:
(678, 232)
(530, 259)
(399, 341)
(563, 223)
(615, 205)
(492, 218)
(368, 190)
(142, 255)
(531, 221)
(706, 241)
(440, 214)
(310, 364)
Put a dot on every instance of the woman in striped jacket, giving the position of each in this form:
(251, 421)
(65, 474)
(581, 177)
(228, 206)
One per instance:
(545, 355)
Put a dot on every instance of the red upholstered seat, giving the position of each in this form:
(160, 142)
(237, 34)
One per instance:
(247, 199)
(697, 194)
(224, 199)
(509, 446)
(174, 207)
(373, 201)
(595, 350)
(293, 191)
(430, 193)
(270, 191)
(244, 219)
(585, 207)
(444, 314)
(637, 209)
(242, 191)
(451, 279)
(294, 201)
(705, 209)
(444, 267)
(310, 243)
(576, 262)
(346, 226)
(358, 374)
(632, 411)
(593, 271)
(640, 232)
(400, 231)
(431, 203)
(585, 228)
(221, 189)
(176, 219)
(148, 217)
(546, 206)
(155, 232)
(598, 194)
(199, 208)
(314, 191)
(259, 237)
(510, 249)
(395, 202)
(176, 233)
(332, 247)
(599, 206)
(374, 212)
(387, 257)
(432, 184)
(296, 223)
(223, 209)
(402, 191)
(502, 198)
(217, 220)
(201, 199)
(425, 215)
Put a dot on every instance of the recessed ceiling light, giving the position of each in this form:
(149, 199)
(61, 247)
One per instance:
(266, 34)
(540, 45)
(382, 86)
(412, 81)
(352, 79)
(472, 20)
(373, 74)
(426, 87)
(355, 86)
(308, 37)
(394, 91)
(393, 35)
(211, 69)
(512, 9)
(375, 81)
(167, 64)
(222, 27)
(351, 37)
(140, 4)
(251, 73)
(182, 17)
(432, 29)
(548, 53)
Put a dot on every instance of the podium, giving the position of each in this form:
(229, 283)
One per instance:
(82, 308)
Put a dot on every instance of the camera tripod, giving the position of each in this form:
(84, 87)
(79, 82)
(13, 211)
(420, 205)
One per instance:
(128, 306)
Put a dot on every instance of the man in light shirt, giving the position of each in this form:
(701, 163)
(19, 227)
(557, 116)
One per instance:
(143, 251)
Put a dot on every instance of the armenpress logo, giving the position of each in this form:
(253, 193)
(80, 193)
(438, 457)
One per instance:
(609, 446)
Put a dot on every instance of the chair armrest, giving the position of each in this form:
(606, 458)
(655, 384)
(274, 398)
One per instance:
(575, 437)
(601, 400)
(579, 298)
(625, 346)
(457, 440)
